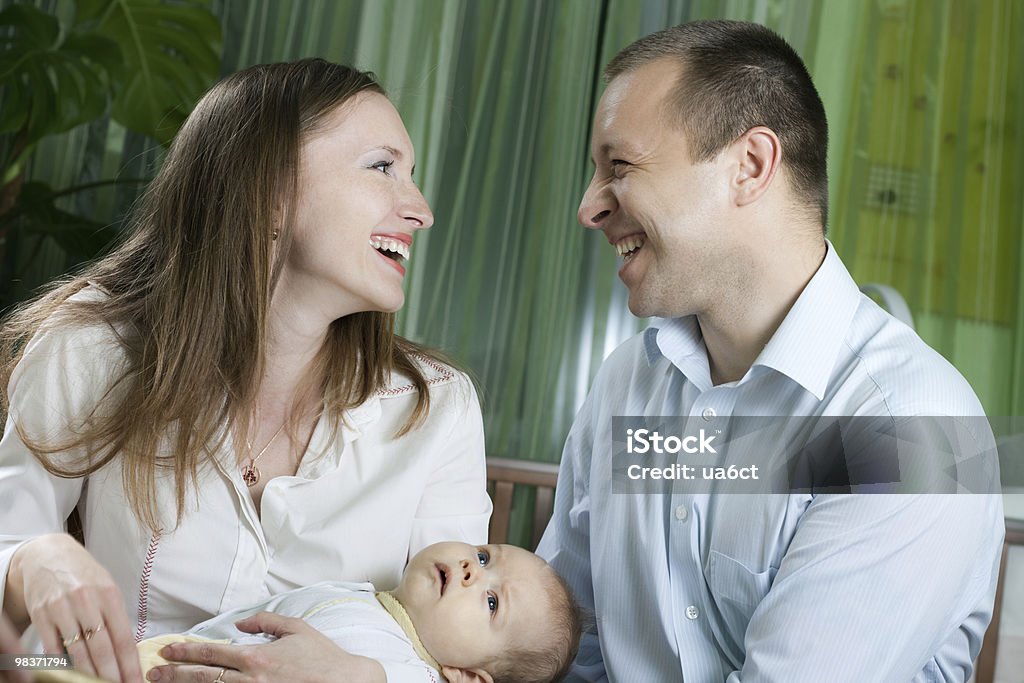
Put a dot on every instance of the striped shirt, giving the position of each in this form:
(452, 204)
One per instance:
(776, 587)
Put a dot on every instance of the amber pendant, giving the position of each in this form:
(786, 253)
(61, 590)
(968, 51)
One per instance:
(250, 474)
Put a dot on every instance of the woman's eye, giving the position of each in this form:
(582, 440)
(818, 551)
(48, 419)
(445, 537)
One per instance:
(383, 166)
(482, 558)
(492, 603)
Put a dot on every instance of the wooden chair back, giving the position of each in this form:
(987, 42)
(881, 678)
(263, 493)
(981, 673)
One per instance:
(986, 665)
(503, 475)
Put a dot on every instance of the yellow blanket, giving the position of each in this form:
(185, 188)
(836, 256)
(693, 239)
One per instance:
(148, 656)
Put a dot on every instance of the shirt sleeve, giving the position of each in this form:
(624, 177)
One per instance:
(55, 385)
(566, 541)
(915, 568)
(455, 504)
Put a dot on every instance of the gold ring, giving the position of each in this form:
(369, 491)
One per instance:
(220, 677)
(90, 632)
(68, 642)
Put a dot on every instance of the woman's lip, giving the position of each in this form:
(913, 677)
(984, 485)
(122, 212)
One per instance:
(402, 237)
(391, 262)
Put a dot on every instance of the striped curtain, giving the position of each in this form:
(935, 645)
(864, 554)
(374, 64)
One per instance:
(924, 101)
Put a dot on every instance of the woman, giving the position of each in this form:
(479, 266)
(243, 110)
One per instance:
(223, 397)
(10, 645)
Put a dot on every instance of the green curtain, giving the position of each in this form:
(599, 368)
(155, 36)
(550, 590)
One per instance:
(924, 102)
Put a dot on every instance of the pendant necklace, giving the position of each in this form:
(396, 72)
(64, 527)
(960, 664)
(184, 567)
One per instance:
(251, 473)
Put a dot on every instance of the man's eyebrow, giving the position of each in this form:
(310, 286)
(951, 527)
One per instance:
(605, 151)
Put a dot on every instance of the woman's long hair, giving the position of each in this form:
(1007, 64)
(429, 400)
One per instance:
(189, 290)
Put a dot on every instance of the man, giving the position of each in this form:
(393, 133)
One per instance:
(709, 147)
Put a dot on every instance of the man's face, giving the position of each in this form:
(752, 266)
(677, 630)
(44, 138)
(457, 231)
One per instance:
(471, 604)
(661, 212)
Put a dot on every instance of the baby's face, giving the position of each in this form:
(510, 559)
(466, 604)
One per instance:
(470, 604)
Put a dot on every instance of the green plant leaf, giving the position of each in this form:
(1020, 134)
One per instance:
(49, 83)
(171, 56)
(79, 236)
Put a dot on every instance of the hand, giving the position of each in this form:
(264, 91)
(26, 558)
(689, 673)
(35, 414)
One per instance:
(10, 644)
(300, 653)
(74, 604)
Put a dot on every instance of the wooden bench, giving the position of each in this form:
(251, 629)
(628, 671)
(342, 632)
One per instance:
(986, 665)
(503, 475)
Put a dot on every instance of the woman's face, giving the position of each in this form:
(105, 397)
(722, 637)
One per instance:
(356, 210)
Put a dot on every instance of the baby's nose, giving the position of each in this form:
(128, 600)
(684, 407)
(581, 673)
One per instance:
(469, 571)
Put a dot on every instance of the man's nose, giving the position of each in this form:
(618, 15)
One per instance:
(597, 204)
(470, 570)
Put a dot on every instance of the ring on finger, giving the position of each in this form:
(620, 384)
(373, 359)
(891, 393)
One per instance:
(90, 632)
(220, 676)
(68, 642)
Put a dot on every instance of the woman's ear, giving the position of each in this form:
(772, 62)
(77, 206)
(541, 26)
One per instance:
(455, 675)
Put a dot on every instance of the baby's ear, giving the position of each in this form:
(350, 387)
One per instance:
(455, 675)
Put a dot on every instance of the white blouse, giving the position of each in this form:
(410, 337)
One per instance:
(357, 509)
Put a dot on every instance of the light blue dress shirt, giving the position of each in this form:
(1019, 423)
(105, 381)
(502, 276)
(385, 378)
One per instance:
(785, 588)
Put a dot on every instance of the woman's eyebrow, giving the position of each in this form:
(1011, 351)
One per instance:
(395, 153)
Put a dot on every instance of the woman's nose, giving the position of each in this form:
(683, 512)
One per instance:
(416, 211)
(597, 204)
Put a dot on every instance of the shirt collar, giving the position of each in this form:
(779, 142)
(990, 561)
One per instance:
(806, 345)
(397, 611)
(803, 348)
(680, 341)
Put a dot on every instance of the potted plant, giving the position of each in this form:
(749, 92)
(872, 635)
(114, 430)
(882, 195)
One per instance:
(144, 63)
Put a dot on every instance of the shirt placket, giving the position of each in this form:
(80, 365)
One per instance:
(709, 411)
(244, 582)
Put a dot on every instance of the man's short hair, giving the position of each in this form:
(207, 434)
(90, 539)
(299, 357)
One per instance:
(737, 75)
(552, 660)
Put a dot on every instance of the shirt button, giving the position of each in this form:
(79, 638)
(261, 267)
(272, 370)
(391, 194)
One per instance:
(692, 612)
(681, 513)
(708, 414)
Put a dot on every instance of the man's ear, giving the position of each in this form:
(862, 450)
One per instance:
(455, 675)
(757, 155)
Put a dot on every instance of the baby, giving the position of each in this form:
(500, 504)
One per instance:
(486, 614)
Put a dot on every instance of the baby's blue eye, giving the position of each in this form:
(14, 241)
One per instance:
(492, 603)
(383, 166)
(482, 558)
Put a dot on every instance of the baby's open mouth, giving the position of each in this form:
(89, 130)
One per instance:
(442, 572)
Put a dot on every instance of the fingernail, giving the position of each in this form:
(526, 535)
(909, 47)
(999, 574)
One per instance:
(154, 674)
(167, 652)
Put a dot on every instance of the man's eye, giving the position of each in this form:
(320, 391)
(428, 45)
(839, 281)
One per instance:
(619, 167)
(492, 603)
(482, 557)
(383, 166)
